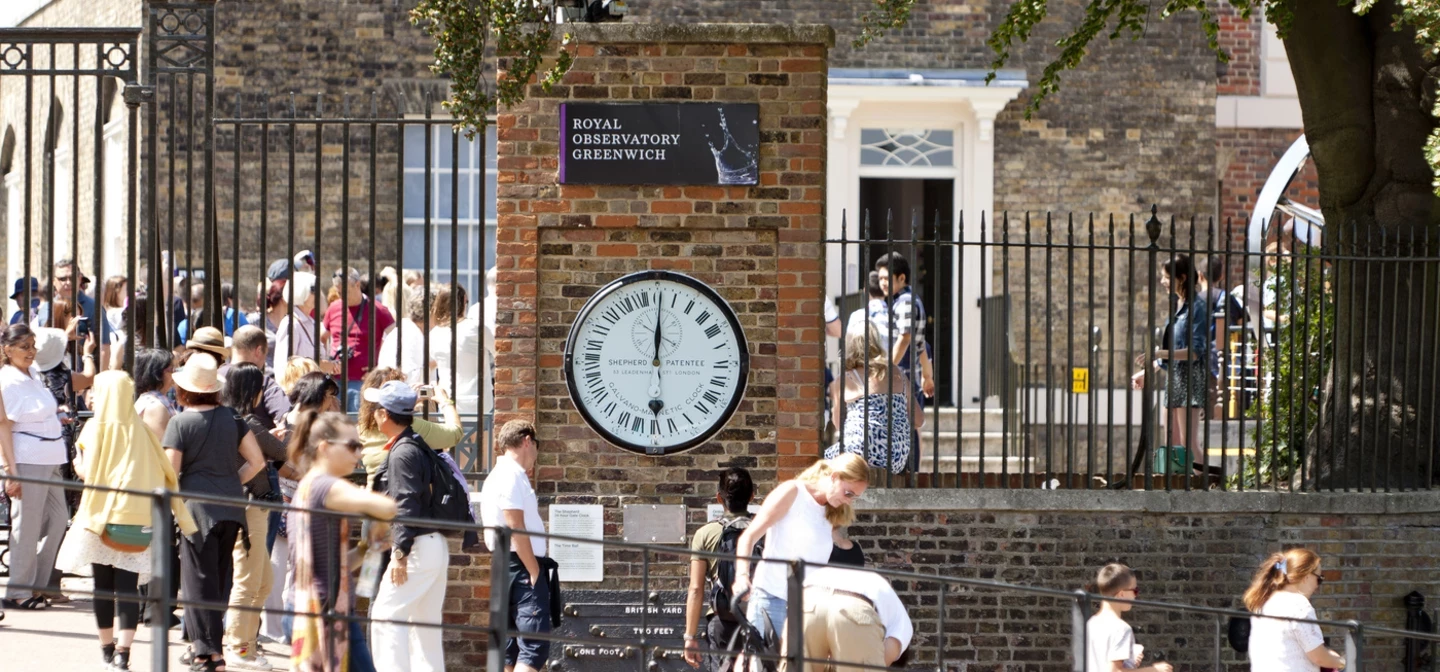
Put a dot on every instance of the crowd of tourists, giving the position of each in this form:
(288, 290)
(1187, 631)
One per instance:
(226, 416)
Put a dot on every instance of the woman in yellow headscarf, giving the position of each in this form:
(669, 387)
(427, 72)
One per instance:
(111, 533)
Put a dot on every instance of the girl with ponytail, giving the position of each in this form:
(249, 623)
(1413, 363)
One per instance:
(1282, 587)
(799, 515)
(327, 447)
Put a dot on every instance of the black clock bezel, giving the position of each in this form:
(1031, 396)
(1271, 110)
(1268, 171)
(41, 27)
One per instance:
(647, 276)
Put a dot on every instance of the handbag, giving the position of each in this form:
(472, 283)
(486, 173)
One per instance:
(126, 538)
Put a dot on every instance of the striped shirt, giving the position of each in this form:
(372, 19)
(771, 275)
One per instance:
(907, 312)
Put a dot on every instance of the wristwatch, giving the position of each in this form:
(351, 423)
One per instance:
(692, 638)
(397, 554)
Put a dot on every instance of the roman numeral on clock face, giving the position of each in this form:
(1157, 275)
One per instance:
(713, 331)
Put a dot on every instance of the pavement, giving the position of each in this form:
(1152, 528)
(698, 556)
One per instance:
(63, 639)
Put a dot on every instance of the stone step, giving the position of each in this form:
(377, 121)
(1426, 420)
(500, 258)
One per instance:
(971, 464)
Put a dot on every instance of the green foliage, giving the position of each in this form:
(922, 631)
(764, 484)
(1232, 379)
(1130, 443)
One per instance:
(462, 29)
(1300, 362)
(885, 15)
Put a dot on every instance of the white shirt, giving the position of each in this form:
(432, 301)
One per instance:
(298, 328)
(802, 533)
(469, 337)
(832, 312)
(36, 431)
(411, 361)
(1280, 646)
(1109, 638)
(887, 604)
(507, 488)
(877, 313)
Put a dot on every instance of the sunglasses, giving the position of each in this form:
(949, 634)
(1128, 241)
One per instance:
(1135, 591)
(355, 445)
(850, 494)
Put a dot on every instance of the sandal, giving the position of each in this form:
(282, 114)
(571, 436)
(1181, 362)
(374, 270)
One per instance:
(35, 603)
(207, 665)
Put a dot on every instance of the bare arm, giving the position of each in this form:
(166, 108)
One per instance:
(902, 382)
(899, 347)
(837, 398)
(520, 543)
(175, 458)
(7, 451)
(776, 506)
(345, 496)
(1324, 657)
(892, 650)
(254, 459)
(157, 419)
(833, 328)
(694, 602)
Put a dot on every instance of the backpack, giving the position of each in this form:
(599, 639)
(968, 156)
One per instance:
(449, 498)
(720, 593)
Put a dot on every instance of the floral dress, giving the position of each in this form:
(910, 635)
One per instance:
(877, 427)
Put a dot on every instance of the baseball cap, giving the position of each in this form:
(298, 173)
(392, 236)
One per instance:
(394, 396)
(280, 270)
(19, 290)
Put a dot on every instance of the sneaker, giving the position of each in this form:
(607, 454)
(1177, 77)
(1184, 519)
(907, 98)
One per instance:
(120, 662)
(246, 658)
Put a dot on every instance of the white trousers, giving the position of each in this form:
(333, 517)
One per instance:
(419, 600)
(37, 528)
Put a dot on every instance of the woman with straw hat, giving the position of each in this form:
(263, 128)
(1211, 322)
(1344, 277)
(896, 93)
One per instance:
(110, 538)
(202, 443)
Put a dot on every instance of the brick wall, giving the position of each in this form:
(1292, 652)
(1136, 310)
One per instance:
(1240, 38)
(1192, 548)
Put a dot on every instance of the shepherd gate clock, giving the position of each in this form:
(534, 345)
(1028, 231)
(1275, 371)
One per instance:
(656, 362)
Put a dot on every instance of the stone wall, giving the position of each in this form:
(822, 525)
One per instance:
(1190, 548)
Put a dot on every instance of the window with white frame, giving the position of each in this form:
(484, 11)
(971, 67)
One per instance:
(476, 221)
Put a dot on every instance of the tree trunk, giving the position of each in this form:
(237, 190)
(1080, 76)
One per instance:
(1366, 95)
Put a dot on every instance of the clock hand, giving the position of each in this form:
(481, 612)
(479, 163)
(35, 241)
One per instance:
(655, 372)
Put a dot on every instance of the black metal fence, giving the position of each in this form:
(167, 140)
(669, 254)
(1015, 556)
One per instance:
(1321, 356)
(939, 642)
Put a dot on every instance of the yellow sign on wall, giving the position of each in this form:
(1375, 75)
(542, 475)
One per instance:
(1080, 380)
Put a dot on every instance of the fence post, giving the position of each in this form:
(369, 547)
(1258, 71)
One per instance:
(499, 600)
(1079, 616)
(795, 617)
(1355, 647)
(162, 539)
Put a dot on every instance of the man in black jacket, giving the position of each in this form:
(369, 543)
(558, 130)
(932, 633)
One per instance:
(413, 590)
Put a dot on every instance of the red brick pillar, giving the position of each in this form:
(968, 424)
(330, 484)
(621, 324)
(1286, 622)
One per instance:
(759, 246)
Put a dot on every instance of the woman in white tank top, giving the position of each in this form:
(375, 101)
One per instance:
(798, 517)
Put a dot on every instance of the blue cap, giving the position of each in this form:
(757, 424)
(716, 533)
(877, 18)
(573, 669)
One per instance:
(394, 396)
(20, 288)
(280, 270)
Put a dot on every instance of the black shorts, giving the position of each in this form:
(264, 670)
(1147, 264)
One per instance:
(529, 612)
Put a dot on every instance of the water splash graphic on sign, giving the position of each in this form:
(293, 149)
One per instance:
(734, 164)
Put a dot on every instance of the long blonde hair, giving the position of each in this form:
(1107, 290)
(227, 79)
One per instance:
(1272, 576)
(863, 351)
(849, 467)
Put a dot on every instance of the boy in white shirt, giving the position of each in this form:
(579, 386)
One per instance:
(1109, 641)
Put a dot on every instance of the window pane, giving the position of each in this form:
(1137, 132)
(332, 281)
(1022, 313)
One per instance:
(415, 195)
(415, 246)
(467, 153)
(489, 246)
(490, 139)
(442, 199)
(444, 152)
(467, 197)
(414, 147)
(441, 260)
(490, 200)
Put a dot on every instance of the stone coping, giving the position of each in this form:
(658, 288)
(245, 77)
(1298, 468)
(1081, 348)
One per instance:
(1174, 502)
(701, 33)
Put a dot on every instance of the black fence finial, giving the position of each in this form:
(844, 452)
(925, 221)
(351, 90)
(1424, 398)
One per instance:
(1152, 226)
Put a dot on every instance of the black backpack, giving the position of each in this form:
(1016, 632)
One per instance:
(449, 501)
(720, 593)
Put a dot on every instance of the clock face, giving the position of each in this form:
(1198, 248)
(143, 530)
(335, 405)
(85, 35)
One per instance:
(656, 362)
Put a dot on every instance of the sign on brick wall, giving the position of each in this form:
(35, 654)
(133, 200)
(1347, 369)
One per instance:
(659, 143)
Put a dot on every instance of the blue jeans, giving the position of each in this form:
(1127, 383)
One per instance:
(352, 396)
(763, 604)
(360, 660)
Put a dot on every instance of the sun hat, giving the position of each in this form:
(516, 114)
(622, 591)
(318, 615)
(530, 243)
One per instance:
(304, 286)
(20, 288)
(209, 339)
(49, 347)
(394, 396)
(200, 375)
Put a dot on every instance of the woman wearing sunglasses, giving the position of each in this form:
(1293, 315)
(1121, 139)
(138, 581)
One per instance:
(799, 517)
(1282, 587)
(327, 448)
